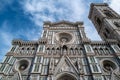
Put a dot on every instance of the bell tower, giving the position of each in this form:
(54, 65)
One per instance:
(64, 52)
(106, 21)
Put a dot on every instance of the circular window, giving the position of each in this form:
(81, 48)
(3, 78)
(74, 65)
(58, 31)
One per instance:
(22, 65)
(64, 37)
(109, 65)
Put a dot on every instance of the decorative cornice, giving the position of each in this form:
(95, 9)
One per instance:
(98, 42)
(111, 41)
(95, 4)
(21, 42)
(62, 22)
(42, 41)
(108, 41)
(86, 41)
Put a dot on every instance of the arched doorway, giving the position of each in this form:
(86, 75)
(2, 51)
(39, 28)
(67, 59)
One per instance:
(66, 76)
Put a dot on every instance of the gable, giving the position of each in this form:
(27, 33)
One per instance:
(62, 25)
(65, 65)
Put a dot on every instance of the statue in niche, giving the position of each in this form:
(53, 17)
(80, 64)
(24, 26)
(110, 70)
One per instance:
(63, 40)
(51, 65)
(64, 48)
(80, 67)
(108, 13)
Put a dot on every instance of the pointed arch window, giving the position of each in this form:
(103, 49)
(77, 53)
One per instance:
(38, 59)
(98, 21)
(58, 51)
(101, 51)
(46, 61)
(33, 49)
(53, 50)
(12, 60)
(88, 48)
(41, 48)
(48, 50)
(107, 51)
(44, 70)
(76, 51)
(107, 30)
(95, 68)
(6, 70)
(105, 35)
(13, 48)
(18, 50)
(96, 50)
(71, 50)
(7, 59)
(22, 50)
(2, 67)
(44, 34)
(116, 48)
(28, 49)
(108, 13)
(36, 68)
(64, 49)
(92, 59)
(81, 51)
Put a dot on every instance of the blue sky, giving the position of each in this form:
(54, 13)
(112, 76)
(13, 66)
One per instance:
(23, 19)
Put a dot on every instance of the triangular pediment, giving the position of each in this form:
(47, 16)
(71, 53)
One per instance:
(64, 24)
(65, 65)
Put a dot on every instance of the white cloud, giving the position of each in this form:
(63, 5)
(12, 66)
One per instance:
(55, 10)
(5, 39)
(52, 9)
(114, 4)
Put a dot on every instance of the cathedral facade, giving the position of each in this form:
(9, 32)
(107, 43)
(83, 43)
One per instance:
(64, 52)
